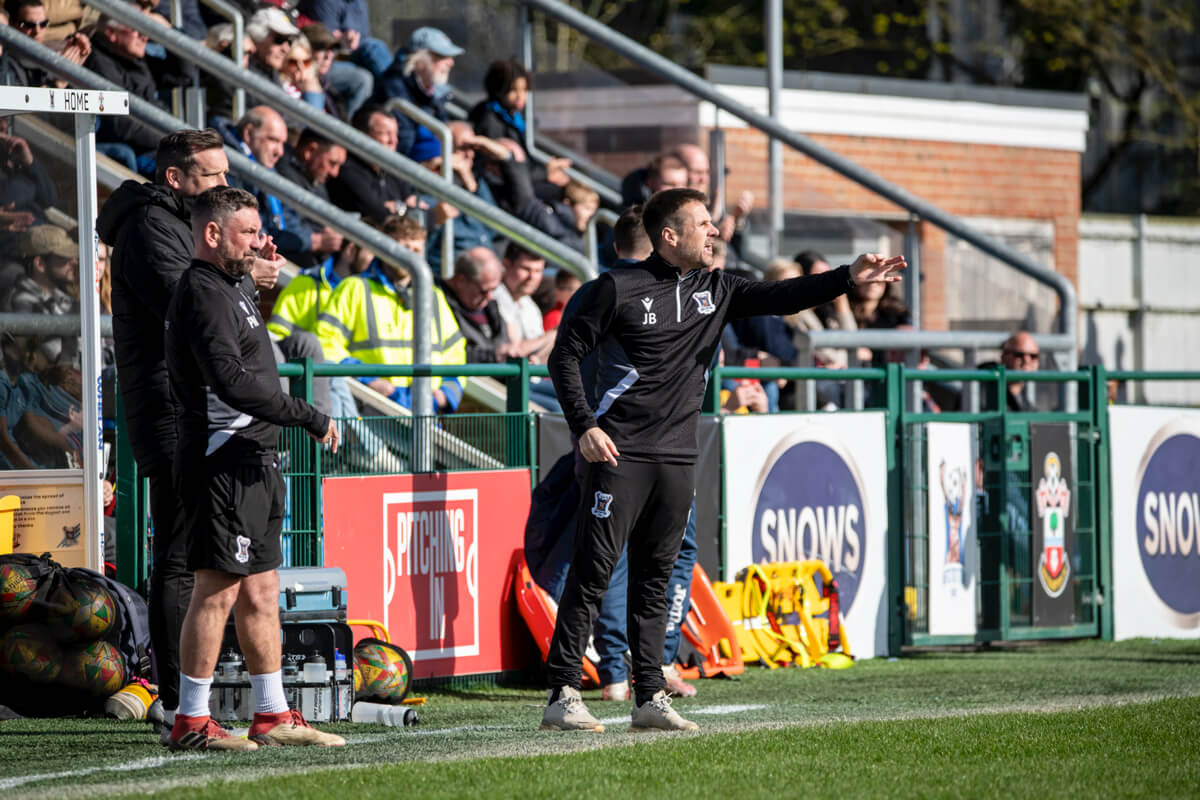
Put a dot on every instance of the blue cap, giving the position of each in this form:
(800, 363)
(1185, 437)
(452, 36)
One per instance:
(425, 146)
(435, 41)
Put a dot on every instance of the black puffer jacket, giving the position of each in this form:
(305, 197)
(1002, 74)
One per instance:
(149, 230)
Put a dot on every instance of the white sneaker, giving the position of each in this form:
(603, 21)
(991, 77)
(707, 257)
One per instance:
(657, 715)
(615, 692)
(568, 713)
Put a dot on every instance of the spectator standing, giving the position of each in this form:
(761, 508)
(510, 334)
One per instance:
(419, 74)
(222, 370)
(470, 295)
(365, 188)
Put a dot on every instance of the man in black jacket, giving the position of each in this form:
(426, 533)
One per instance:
(655, 327)
(148, 227)
(223, 373)
(365, 188)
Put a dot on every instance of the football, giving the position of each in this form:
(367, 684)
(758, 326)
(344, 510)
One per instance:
(80, 611)
(28, 651)
(385, 671)
(17, 587)
(96, 668)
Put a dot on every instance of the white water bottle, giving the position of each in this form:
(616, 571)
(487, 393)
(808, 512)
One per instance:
(314, 704)
(383, 714)
(343, 684)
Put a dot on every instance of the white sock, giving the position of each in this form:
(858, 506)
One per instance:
(268, 693)
(193, 696)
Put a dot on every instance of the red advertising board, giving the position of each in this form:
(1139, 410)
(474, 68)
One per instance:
(431, 557)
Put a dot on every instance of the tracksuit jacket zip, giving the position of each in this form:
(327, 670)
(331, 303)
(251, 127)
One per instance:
(652, 369)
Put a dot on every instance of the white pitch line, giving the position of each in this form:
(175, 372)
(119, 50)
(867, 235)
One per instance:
(129, 766)
(705, 710)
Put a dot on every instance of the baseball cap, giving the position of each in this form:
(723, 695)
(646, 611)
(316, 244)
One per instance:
(41, 240)
(274, 20)
(435, 41)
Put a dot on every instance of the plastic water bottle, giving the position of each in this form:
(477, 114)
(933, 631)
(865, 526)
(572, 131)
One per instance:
(229, 670)
(383, 714)
(344, 685)
(314, 698)
(291, 685)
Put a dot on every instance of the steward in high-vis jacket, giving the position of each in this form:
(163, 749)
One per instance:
(303, 299)
(369, 320)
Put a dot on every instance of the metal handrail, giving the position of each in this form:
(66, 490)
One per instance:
(703, 89)
(592, 245)
(235, 16)
(353, 140)
(349, 226)
(434, 124)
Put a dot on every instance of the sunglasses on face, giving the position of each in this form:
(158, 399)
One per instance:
(301, 62)
(29, 25)
(279, 38)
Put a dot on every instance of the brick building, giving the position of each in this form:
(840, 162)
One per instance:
(1006, 161)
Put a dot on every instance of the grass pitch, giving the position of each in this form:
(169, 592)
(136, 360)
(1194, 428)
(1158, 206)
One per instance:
(1089, 718)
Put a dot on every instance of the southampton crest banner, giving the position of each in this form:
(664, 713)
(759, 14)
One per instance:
(1052, 482)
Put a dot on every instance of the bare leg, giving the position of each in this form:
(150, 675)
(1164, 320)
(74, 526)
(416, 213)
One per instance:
(204, 626)
(257, 618)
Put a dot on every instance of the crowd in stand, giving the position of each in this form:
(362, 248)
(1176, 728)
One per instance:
(346, 305)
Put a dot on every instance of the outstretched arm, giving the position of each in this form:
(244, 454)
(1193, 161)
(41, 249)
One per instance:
(753, 298)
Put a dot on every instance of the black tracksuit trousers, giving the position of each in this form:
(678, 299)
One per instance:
(645, 504)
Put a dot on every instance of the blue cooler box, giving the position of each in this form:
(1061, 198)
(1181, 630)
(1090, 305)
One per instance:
(312, 593)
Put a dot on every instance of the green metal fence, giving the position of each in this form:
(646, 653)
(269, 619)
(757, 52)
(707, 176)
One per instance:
(384, 445)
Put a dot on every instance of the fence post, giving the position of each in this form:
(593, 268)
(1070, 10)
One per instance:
(1103, 499)
(516, 398)
(304, 458)
(894, 423)
(131, 509)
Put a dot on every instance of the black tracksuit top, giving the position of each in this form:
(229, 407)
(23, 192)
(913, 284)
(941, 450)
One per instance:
(223, 373)
(655, 333)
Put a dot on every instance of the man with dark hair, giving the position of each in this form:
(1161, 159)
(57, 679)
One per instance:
(148, 227)
(313, 161)
(655, 327)
(31, 18)
(222, 371)
(364, 187)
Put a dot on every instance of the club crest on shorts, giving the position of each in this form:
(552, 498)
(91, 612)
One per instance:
(602, 507)
(704, 302)
(243, 553)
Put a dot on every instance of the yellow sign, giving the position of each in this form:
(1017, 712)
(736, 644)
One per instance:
(47, 515)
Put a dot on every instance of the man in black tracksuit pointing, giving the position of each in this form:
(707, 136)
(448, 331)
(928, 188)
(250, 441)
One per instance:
(655, 327)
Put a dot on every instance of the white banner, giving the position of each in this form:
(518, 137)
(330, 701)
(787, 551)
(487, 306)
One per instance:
(953, 544)
(813, 486)
(1156, 521)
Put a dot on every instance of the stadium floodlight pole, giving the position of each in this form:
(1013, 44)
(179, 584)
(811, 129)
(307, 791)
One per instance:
(354, 140)
(84, 106)
(442, 130)
(351, 227)
(701, 88)
(774, 33)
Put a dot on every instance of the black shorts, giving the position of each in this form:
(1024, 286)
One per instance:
(235, 518)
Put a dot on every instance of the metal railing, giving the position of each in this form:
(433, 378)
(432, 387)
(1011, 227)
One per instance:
(353, 140)
(237, 46)
(443, 132)
(704, 90)
(591, 241)
(350, 227)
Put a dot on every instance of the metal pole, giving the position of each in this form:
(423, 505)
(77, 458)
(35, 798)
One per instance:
(447, 138)
(525, 26)
(716, 179)
(89, 309)
(774, 31)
